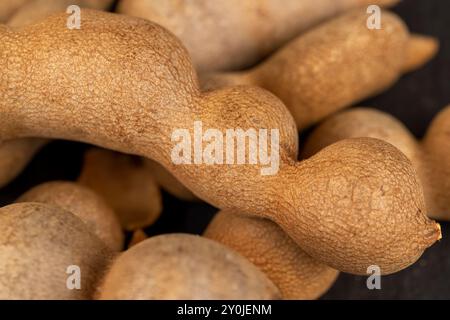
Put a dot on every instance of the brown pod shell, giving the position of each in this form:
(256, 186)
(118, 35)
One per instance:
(334, 65)
(85, 204)
(126, 184)
(38, 244)
(262, 242)
(429, 156)
(15, 155)
(35, 10)
(355, 204)
(7, 8)
(234, 34)
(186, 267)
(138, 236)
(168, 182)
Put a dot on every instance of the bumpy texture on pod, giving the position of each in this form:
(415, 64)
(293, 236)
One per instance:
(232, 34)
(126, 184)
(431, 156)
(181, 266)
(262, 242)
(335, 65)
(354, 204)
(38, 244)
(16, 154)
(85, 204)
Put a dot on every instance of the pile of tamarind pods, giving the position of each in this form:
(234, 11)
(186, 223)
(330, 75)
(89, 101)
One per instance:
(362, 191)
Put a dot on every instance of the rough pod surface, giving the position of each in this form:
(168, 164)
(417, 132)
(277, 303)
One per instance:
(16, 154)
(38, 243)
(224, 35)
(85, 204)
(430, 156)
(127, 84)
(297, 275)
(179, 266)
(335, 65)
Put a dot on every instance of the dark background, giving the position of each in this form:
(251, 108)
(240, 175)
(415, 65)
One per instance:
(415, 100)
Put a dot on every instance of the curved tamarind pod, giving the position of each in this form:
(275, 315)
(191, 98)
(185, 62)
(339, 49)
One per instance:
(83, 203)
(126, 185)
(233, 34)
(35, 10)
(182, 266)
(430, 156)
(357, 203)
(15, 155)
(168, 182)
(40, 248)
(335, 65)
(262, 242)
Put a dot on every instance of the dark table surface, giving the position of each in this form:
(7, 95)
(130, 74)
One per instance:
(415, 100)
